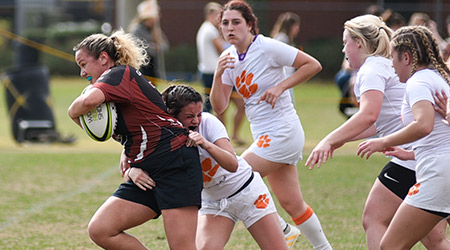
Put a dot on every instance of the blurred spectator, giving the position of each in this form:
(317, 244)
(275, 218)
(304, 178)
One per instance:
(209, 46)
(393, 19)
(285, 30)
(146, 26)
(423, 19)
(375, 10)
(447, 26)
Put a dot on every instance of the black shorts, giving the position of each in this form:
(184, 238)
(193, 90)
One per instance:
(178, 177)
(398, 179)
(130, 192)
(442, 214)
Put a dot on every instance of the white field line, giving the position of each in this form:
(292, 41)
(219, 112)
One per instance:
(20, 215)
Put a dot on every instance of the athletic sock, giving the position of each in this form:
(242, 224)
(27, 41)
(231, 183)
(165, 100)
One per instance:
(309, 225)
(284, 225)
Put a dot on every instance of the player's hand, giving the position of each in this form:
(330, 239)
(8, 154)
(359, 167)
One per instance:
(320, 154)
(124, 165)
(399, 152)
(140, 178)
(369, 147)
(224, 62)
(442, 106)
(271, 95)
(191, 142)
(197, 138)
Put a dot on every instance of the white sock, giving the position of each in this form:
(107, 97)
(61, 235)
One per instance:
(312, 230)
(284, 226)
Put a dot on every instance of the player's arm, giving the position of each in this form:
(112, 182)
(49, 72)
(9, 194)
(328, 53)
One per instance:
(307, 67)
(220, 92)
(85, 102)
(422, 125)
(360, 122)
(221, 150)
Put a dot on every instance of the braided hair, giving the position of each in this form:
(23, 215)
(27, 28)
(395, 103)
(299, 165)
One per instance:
(177, 97)
(419, 42)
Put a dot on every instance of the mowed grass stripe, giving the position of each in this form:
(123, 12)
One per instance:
(37, 208)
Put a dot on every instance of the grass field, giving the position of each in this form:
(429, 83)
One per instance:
(50, 191)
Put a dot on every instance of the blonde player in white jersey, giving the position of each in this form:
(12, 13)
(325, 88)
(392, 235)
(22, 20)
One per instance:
(379, 93)
(254, 65)
(417, 61)
(231, 190)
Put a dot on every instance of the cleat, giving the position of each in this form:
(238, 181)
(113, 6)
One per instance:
(292, 236)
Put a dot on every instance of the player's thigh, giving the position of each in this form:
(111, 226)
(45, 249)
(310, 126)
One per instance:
(268, 233)
(381, 199)
(213, 232)
(116, 215)
(285, 184)
(180, 223)
(409, 225)
(262, 166)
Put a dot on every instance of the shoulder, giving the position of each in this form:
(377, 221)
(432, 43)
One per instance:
(282, 37)
(211, 123)
(114, 75)
(230, 50)
(377, 65)
(207, 27)
(209, 118)
(426, 77)
(211, 127)
(271, 45)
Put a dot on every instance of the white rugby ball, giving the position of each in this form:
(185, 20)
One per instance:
(100, 122)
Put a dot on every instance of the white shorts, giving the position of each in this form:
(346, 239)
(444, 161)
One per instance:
(432, 190)
(249, 205)
(280, 144)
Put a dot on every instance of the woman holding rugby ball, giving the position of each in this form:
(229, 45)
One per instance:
(153, 141)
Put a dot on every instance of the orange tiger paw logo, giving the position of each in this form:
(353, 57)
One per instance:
(414, 189)
(263, 141)
(244, 84)
(208, 170)
(262, 201)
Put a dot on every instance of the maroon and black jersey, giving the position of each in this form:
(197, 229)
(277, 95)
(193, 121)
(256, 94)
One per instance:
(144, 126)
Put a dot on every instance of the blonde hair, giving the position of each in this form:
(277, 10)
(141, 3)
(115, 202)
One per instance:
(420, 43)
(123, 48)
(148, 9)
(212, 7)
(373, 33)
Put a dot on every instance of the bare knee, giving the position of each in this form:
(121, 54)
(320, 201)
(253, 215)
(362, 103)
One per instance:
(98, 232)
(436, 239)
(366, 221)
(373, 219)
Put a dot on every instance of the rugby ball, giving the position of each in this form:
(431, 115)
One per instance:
(100, 122)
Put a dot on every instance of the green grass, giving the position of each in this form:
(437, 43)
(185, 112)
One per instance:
(50, 191)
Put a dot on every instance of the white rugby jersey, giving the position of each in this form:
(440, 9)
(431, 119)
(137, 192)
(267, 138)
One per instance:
(378, 74)
(218, 182)
(261, 69)
(422, 86)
